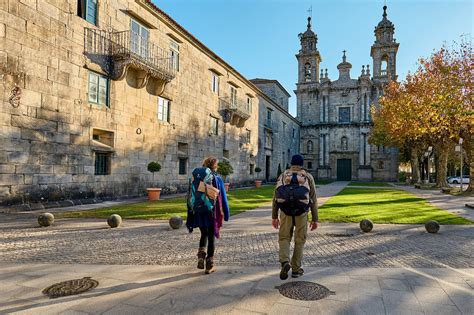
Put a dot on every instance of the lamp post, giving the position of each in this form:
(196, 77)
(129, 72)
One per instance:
(460, 153)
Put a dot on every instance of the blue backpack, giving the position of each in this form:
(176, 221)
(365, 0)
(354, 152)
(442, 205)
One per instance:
(197, 201)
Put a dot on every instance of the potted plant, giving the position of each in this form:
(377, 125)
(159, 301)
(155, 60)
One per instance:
(225, 169)
(153, 193)
(258, 182)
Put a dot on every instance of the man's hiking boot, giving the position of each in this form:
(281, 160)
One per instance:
(285, 267)
(298, 273)
(201, 257)
(210, 265)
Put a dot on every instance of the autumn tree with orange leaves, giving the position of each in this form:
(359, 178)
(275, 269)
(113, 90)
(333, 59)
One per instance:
(432, 107)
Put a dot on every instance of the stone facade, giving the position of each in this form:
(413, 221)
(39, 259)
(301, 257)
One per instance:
(163, 97)
(335, 114)
(278, 131)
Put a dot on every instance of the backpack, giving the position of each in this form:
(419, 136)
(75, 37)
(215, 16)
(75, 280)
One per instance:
(292, 193)
(198, 201)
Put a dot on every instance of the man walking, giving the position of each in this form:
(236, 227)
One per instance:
(295, 195)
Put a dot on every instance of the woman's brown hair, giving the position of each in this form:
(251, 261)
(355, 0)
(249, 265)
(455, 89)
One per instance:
(209, 162)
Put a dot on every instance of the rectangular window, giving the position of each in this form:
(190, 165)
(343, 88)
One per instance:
(98, 89)
(252, 169)
(284, 128)
(294, 133)
(139, 39)
(102, 163)
(310, 165)
(249, 104)
(163, 109)
(174, 54)
(183, 166)
(214, 126)
(344, 114)
(248, 136)
(233, 96)
(87, 9)
(215, 83)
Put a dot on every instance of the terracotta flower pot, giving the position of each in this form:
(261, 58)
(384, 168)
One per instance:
(258, 183)
(226, 185)
(153, 193)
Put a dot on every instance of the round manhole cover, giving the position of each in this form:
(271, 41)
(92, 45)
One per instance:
(70, 287)
(304, 290)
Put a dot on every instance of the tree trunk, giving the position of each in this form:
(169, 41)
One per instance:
(442, 164)
(468, 146)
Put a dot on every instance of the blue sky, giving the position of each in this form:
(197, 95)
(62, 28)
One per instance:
(259, 38)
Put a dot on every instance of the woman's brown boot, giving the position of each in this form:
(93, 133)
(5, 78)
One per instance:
(201, 256)
(210, 265)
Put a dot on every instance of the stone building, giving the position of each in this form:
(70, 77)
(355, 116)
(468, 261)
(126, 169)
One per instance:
(92, 91)
(278, 131)
(335, 114)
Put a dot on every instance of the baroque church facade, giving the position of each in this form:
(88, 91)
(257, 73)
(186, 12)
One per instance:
(335, 114)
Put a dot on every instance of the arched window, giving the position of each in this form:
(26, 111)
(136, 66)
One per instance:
(365, 106)
(309, 146)
(344, 143)
(307, 71)
(384, 66)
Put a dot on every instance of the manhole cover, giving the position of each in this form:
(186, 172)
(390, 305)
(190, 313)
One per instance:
(70, 287)
(304, 290)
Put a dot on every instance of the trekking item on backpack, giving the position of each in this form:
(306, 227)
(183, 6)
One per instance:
(292, 193)
(211, 191)
(198, 201)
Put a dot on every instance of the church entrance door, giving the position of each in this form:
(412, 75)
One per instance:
(344, 169)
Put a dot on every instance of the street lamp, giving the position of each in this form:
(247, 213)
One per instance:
(460, 153)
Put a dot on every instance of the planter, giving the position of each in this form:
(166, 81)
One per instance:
(153, 193)
(226, 185)
(258, 183)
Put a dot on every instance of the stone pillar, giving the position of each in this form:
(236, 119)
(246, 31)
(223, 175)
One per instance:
(361, 149)
(326, 143)
(321, 150)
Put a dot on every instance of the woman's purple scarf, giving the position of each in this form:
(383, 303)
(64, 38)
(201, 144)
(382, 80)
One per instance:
(221, 209)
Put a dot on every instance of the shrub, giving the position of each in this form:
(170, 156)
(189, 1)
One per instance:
(224, 168)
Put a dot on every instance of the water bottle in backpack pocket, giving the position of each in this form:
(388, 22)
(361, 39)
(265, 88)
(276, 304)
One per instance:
(292, 193)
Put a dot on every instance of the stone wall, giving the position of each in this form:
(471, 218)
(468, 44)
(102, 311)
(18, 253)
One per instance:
(47, 150)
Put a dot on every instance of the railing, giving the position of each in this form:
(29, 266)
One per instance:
(383, 72)
(239, 107)
(130, 46)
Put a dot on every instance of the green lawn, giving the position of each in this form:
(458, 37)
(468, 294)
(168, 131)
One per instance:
(240, 200)
(383, 206)
(376, 184)
(324, 181)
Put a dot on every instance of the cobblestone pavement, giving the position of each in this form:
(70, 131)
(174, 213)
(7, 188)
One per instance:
(144, 242)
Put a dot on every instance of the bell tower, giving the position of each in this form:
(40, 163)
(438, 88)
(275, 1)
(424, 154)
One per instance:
(384, 50)
(308, 56)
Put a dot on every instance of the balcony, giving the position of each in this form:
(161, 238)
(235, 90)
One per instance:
(126, 54)
(234, 112)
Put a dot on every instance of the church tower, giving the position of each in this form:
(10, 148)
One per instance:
(308, 56)
(384, 50)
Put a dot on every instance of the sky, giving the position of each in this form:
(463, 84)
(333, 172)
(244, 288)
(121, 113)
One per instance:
(259, 38)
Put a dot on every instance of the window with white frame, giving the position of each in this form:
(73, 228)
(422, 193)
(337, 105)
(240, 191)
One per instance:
(139, 39)
(248, 136)
(214, 126)
(215, 82)
(98, 89)
(87, 9)
(249, 104)
(174, 54)
(163, 109)
(233, 96)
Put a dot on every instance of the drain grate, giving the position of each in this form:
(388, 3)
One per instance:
(338, 235)
(70, 287)
(304, 290)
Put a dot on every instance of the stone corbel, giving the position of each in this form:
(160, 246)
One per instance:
(118, 70)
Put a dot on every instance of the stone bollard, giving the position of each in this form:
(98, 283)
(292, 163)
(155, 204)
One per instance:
(432, 226)
(45, 219)
(366, 225)
(176, 222)
(114, 221)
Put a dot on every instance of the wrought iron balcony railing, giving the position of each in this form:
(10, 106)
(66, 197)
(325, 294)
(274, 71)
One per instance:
(128, 49)
(235, 111)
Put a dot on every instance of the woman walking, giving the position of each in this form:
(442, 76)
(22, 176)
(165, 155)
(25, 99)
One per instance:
(207, 208)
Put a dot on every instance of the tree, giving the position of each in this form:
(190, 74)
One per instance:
(225, 168)
(154, 167)
(432, 107)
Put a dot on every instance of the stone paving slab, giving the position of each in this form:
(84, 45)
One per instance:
(125, 289)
